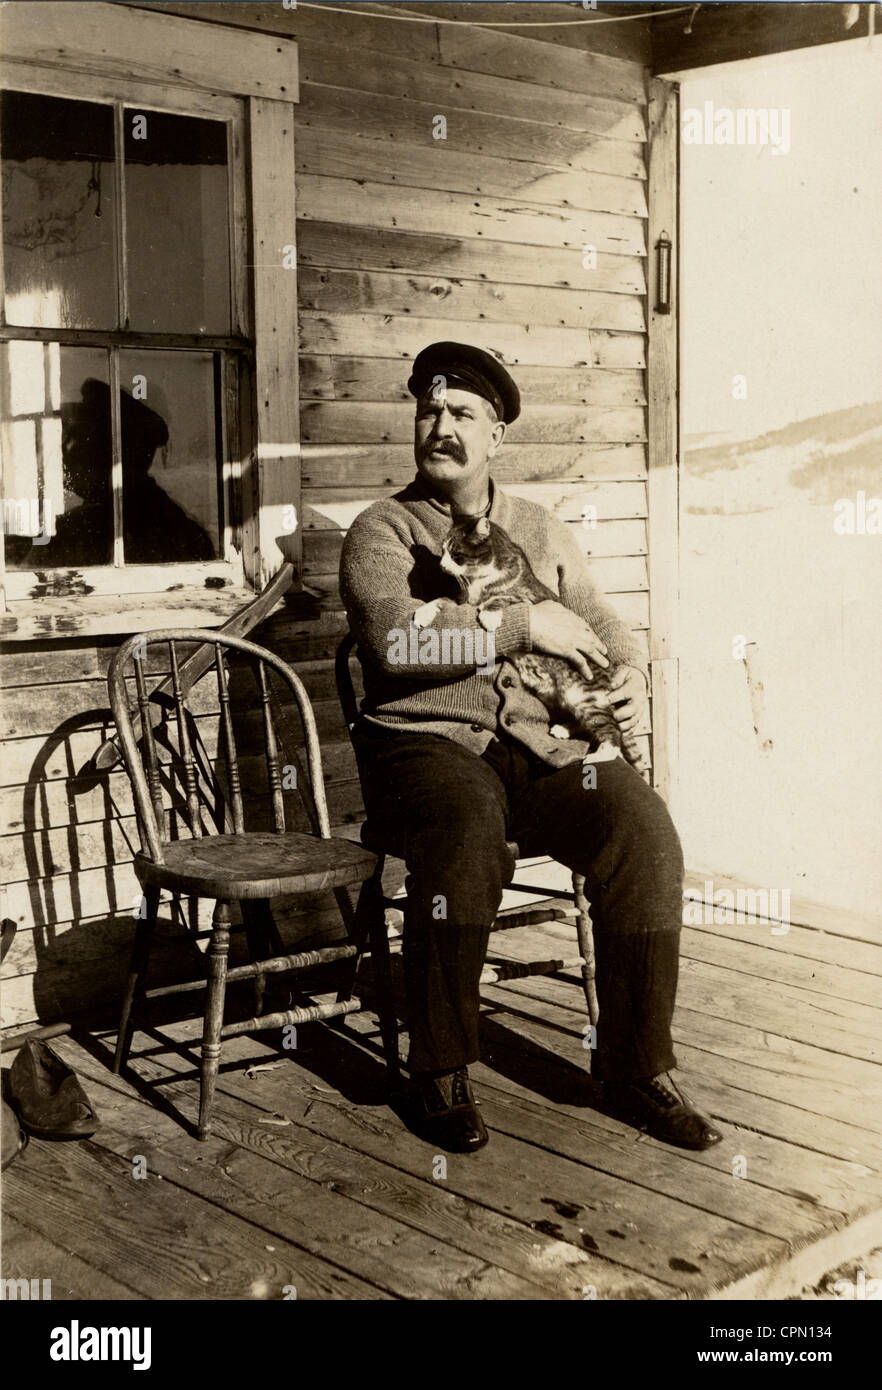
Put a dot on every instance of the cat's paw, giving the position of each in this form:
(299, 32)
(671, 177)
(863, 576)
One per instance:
(604, 754)
(559, 731)
(427, 613)
(489, 618)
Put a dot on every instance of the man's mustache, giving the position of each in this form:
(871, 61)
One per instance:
(449, 447)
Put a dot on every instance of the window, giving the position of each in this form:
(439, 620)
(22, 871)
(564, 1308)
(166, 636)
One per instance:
(123, 347)
(157, 340)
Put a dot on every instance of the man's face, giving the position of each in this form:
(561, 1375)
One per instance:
(456, 433)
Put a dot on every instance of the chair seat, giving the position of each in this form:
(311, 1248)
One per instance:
(256, 865)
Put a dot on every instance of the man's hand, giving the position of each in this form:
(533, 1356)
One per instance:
(558, 631)
(629, 693)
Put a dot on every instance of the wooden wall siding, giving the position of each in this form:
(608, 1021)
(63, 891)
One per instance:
(401, 239)
(631, 41)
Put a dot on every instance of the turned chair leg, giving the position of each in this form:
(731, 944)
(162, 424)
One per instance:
(349, 968)
(356, 924)
(586, 948)
(214, 1013)
(137, 972)
(371, 924)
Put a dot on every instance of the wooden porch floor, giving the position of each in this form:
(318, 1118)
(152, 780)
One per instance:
(312, 1183)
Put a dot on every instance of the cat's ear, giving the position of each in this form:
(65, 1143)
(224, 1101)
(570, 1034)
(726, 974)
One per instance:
(482, 527)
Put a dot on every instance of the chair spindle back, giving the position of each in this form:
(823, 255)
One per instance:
(152, 716)
(272, 750)
(343, 677)
(153, 778)
(186, 748)
(232, 756)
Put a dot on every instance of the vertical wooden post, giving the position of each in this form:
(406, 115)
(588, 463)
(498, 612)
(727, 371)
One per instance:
(663, 430)
(275, 458)
(214, 1014)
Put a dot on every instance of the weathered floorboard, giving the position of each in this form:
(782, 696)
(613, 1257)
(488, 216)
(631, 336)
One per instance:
(180, 1246)
(72, 1277)
(511, 1177)
(564, 1199)
(749, 1058)
(319, 1165)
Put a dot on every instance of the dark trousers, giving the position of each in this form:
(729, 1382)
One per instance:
(448, 813)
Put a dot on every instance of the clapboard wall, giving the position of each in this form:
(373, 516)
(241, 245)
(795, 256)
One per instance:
(401, 239)
(404, 238)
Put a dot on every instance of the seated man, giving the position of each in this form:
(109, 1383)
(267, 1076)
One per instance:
(455, 760)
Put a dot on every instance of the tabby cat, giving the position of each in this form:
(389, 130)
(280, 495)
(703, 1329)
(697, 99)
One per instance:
(493, 573)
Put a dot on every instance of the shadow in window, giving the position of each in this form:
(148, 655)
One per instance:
(156, 529)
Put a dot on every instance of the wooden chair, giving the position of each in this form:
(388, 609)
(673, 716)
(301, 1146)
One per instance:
(374, 902)
(215, 857)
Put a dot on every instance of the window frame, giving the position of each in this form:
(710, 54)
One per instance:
(119, 578)
(261, 446)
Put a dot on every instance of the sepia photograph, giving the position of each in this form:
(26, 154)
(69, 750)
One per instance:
(441, 661)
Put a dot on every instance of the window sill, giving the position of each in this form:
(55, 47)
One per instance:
(107, 615)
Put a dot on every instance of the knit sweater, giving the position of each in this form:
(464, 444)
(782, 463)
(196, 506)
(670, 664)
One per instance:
(449, 684)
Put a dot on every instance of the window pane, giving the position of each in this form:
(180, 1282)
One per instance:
(170, 457)
(58, 212)
(56, 442)
(177, 223)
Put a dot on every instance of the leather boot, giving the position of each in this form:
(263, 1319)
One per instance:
(449, 1115)
(657, 1105)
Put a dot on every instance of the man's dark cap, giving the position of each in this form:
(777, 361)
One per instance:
(466, 368)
